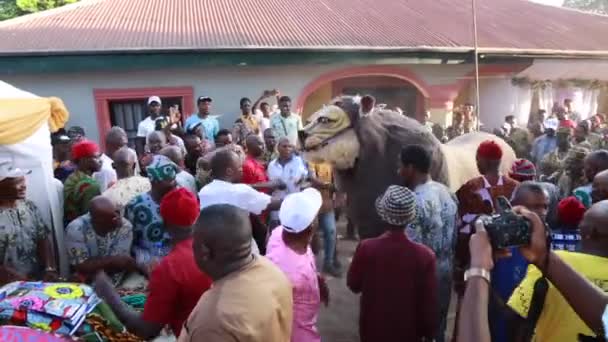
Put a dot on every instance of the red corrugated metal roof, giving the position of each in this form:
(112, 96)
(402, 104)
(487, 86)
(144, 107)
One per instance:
(118, 25)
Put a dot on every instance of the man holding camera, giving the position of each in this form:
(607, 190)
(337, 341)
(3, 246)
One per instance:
(557, 320)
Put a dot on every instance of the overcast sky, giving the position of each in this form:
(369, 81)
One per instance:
(549, 2)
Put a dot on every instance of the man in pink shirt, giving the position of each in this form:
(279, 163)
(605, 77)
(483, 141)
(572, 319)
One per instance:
(289, 249)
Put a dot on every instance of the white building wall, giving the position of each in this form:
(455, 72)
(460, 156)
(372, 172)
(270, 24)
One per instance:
(499, 98)
(225, 85)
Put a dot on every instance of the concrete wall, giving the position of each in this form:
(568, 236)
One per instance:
(225, 85)
(499, 98)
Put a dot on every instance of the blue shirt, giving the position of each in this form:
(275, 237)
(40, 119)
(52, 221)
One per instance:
(210, 125)
(542, 146)
(506, 275)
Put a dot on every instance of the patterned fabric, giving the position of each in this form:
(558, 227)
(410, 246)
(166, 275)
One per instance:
(269, 155)
(286, 127)
(150, 240)
(161, 168)
(126, 189)
(397, 206)
(244, 126)
(21, 228)
(435, 223)
(435, 227)
(583, 194)
(553, 162)
(78, 190)
(82, 243)
(524, 169)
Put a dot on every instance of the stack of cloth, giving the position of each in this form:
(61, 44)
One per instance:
(60, 308)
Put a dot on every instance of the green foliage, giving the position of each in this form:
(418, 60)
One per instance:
(594, 6)
(14, 8)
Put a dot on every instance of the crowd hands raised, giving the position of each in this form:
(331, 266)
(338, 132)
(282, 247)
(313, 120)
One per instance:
(162, 210)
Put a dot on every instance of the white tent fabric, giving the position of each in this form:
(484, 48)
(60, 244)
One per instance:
(570, 69)
(35, 153)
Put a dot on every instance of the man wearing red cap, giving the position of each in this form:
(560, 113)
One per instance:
(478, 197)
(80, 187)
(176, 283)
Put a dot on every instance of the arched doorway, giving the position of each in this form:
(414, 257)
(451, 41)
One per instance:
(394, 86)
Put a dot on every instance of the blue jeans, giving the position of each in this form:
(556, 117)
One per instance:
(327, 224)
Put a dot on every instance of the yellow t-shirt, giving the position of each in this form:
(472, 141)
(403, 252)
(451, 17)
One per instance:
(558, 321)
(324, 173)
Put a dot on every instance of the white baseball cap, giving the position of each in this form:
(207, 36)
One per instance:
(7, 170)
(154, 99)
(298, 210)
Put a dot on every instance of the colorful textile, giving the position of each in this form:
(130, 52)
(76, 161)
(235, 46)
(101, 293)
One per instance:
(286, 127)
(161, 168)
(124, 190)
(176, 285)
(558, 321)
(82, 243)
(53, 307)
(21, 227)
(22, 334)
(398, 299)
(103, 323)
(84, 149)
(523, 170)
(435, 227)
(397, 206)
(478, 196)
(252, 304)
(490, 150)
(78, 191)
(179, 207)
(20, 118)
(150, 240)
(301, 271)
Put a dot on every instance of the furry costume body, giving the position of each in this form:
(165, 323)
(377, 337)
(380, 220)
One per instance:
(363, 144)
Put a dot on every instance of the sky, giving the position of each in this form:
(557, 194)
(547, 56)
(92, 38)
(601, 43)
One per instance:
(549, 2)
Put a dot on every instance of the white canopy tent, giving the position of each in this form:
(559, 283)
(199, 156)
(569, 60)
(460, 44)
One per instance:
(575, 79)
(35, 153)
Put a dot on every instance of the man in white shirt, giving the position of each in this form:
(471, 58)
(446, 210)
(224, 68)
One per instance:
(288, 168)
(115, 140)
(147, 125)
(227, 170)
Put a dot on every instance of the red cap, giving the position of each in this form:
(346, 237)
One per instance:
(179, 207)
(489, 150)
(84, 149)
(570, 211)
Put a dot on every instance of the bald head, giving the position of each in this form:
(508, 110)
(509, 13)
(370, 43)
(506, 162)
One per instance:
(115, 139)
(105, 216)
(599, 187)
(595, 162)
(124, 162)
(255, 145)
(222, 162)
(595, 222)
(222, 239)
(174, 153)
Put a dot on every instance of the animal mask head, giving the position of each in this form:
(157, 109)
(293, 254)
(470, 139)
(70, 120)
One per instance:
(330, 135)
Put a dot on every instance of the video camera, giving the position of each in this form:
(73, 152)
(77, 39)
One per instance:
(506, 228)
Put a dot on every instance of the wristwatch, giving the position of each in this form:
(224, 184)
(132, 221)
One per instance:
(477, 272)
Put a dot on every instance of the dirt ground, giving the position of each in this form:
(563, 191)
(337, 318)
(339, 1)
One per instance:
(339, 321)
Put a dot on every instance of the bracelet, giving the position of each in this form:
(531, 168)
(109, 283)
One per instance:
(477, 272)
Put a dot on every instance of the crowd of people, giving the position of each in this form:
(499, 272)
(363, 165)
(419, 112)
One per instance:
(224, 225)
